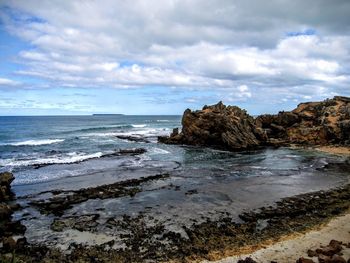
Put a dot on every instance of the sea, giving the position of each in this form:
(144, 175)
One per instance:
(27, 143)
(48, 153)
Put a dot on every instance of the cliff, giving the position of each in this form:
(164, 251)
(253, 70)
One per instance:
(229, 127)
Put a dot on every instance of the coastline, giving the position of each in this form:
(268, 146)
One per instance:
(338, 150)
(264, 199)
(292, 247)
(209, 240)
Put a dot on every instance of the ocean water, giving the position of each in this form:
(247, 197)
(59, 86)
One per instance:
(53, 148)
(27, 143)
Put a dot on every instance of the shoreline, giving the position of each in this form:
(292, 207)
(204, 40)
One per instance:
(292, 247)
(334, 149)
(210, 240)
(268, 228)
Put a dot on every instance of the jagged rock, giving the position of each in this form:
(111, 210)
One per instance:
(175, 132)
(247, 260)
(333, 248)
(219, 126)
(9, 227)
(135, 151)
(133, 138)
(6, 179)
(229, 127)
(315, 123)
(5, 211)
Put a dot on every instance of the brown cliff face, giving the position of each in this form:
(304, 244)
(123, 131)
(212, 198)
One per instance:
(220, 126)
(311, 123)
(229, 127)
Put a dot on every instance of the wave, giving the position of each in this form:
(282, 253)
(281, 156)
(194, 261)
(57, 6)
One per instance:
(72, 157)
(34, 142)
(148, 132)
(159, 151)
(163, 121)
(138, 125)
(102, 128)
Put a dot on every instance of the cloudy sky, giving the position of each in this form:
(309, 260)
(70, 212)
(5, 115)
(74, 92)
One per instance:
(161, 57)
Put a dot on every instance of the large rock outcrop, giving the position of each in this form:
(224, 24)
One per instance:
(220, 126)
(229, 127)
(9, 228)
(312, 123)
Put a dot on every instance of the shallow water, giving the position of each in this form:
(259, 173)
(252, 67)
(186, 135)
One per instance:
(203, 183)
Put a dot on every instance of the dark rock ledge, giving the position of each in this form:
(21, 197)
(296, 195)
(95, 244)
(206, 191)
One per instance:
(229, 127)
(153, 243)
(63, 200)
(11, 231)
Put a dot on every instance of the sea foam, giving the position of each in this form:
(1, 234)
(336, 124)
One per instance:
(35, 142)
(63, 159)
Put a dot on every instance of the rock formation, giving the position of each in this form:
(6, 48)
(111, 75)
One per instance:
(8, 227)
(5, 186)
(313, 123)
(220, 126)
(229, 127)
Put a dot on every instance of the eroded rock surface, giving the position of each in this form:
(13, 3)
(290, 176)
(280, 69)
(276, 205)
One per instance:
(315, 123)
(229, 127)
(11, 231)
(221, 126)
(6, 179)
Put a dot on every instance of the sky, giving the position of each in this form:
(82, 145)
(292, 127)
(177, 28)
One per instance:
(160, 57)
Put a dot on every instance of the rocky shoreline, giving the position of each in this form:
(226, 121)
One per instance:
(153, 243)
(231, 128)
(140, 237)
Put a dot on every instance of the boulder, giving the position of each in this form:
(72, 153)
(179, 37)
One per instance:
(6, 179)
(247, 260)
(221, 126)
(5, 211)
(305, 260)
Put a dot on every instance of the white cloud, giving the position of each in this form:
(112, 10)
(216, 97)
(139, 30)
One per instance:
(193, 44)
(8, 82)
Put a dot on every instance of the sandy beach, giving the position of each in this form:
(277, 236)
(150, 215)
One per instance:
(339, 150)
(294, 246)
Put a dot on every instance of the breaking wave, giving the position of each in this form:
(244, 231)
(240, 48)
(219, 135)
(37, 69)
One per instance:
(72, 157)
(35, 142)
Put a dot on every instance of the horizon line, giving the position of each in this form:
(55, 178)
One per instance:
(94, 114)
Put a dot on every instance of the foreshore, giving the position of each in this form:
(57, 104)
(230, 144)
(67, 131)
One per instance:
(340, 150)
(209, 240)
(292, 247)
